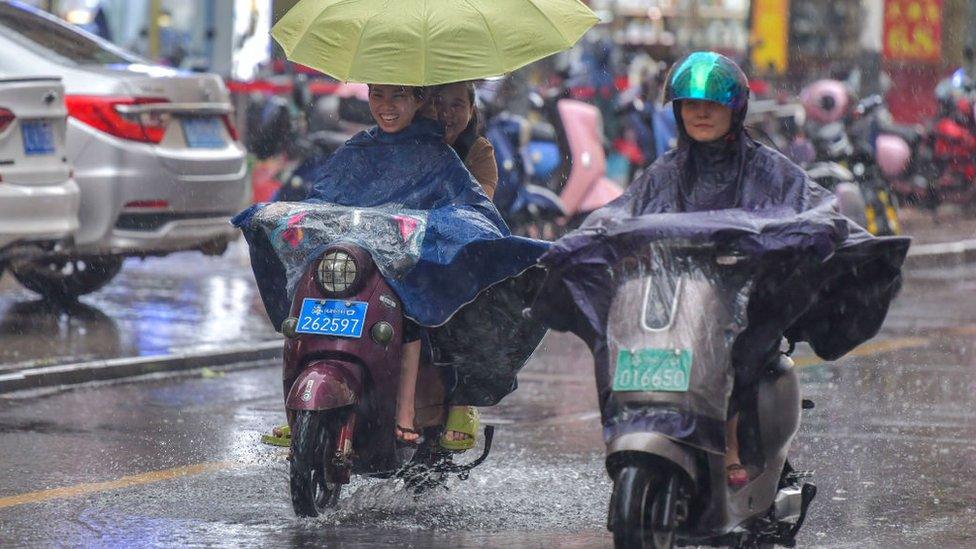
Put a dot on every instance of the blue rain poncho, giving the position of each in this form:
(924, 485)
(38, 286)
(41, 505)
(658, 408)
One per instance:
(465, 248)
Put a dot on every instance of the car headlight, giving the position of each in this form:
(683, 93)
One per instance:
(337, 272)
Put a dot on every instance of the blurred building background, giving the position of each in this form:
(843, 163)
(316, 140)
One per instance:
(902, 47)
(229, 37)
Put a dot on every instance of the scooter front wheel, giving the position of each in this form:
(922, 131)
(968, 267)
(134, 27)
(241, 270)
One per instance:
(640, 499)
(312, 446)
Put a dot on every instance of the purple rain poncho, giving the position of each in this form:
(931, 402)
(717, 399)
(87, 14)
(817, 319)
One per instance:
(824, 280)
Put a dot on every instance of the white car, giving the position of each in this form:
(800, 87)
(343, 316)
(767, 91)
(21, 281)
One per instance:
(38, 197)
(155, 152)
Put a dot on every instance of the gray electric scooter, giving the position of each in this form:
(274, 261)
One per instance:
(675, 316)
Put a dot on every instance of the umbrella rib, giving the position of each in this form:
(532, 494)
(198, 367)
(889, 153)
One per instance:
(359, 42)
(498, 53)
(553, 25)
(305, 34)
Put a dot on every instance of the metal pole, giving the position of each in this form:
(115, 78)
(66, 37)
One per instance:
(154, 11)
(869, 58)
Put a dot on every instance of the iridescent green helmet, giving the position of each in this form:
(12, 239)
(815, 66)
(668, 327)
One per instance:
(708, 76)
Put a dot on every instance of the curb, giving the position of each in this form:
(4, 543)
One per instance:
(115, 368)
(941, 255)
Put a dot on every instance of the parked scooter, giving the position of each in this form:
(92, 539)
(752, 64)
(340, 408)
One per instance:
(674, 307)
(835, 177)
(551, 172)
(526, 206)
(876, 164)
(581, 178)
(342, 369)
(847, 136)
(953, 141)
(650, 130)
(954, 152)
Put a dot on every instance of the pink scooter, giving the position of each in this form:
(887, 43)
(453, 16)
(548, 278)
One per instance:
(587, 187)
(578, 178)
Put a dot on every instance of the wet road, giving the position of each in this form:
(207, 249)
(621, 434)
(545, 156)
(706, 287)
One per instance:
(181, 303)
(176, 462)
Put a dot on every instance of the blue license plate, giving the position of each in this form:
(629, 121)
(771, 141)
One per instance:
(203, 133)
(38, 137)
(332, 317)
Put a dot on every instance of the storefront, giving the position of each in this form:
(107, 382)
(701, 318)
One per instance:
(665, 28)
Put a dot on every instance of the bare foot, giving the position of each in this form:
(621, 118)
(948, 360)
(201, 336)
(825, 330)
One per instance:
(406, 434)
(407, 393)
(735, 474)
(404, 424)
(458, 436)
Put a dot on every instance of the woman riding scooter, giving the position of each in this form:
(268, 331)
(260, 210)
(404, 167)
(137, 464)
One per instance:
(457, 112)
(404, 163)
(717, 166)
(685, 289)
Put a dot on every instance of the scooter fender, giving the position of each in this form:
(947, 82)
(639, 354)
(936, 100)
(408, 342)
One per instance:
(624, 448)
(324, 385)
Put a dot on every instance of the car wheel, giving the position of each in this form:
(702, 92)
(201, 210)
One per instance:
(64, 279)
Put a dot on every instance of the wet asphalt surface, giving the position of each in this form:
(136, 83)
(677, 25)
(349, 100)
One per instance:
(185, 302)
(892, 440)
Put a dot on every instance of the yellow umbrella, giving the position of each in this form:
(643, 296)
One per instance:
(427, 42)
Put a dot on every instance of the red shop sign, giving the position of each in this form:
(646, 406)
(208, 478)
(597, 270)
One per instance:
(913, 30)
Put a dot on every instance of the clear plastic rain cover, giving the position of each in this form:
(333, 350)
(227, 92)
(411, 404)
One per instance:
(486, 356)
(300, 231)
(670, 331)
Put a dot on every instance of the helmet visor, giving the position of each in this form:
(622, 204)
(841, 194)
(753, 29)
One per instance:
(708, 76)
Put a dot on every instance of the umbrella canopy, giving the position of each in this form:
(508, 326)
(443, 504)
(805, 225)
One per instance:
(427, 42)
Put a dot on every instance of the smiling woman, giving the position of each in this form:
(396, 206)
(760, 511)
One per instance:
(458, 114)
(393, 107)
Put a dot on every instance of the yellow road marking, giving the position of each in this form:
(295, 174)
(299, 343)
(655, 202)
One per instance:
(124, 482)
(963, 330)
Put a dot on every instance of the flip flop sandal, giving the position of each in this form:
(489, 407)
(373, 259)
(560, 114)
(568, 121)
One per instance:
(280, 436)
(415, 442)
(464, 420)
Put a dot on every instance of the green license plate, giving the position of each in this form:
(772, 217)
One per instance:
(653, 370)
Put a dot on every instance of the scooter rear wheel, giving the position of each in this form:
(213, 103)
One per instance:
(312, 446)
(637, 498)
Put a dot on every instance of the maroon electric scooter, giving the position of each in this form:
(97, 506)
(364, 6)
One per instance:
(341, 374)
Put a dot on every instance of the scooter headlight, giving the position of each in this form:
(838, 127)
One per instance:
(337, 272)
